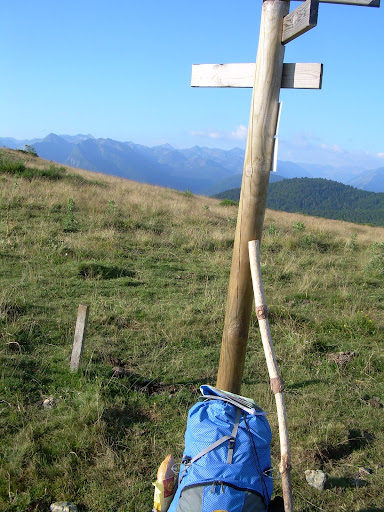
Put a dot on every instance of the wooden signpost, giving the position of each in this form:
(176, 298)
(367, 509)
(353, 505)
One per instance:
(278, 27)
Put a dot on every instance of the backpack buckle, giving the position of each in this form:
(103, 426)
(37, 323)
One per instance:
(231, 446)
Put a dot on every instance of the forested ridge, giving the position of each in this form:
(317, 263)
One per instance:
(322, 198)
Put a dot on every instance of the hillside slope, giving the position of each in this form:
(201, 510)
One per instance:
(153, 265)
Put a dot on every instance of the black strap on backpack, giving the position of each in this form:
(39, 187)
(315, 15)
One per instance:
(256, 461)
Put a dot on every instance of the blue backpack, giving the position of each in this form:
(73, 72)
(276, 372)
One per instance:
(227, 456)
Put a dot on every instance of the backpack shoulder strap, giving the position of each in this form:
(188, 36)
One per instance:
(233, 436)
(217, 443)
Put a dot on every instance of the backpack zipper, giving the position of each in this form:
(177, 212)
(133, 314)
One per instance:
(215, 483)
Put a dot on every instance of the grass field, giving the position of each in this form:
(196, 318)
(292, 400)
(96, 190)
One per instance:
(153, 264)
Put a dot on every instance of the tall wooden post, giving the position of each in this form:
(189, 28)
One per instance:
(253, 197)
(269, 75)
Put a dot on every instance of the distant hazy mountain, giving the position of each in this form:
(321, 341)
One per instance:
(232, 159)
(54, 148)
(292, 170)
(199, 169)
(328, 172)
(233, 182)
(116, 158)
(370, 180)
(11, 143)
(76, 138)
(322, 198)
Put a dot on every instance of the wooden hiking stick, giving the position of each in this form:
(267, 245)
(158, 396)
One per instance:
(277, 383)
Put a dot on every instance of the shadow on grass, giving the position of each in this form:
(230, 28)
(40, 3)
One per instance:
(121, 370)
(99, 271)
(303, 384)
(357, 439)
(288, 387)
(119, 420)
(371, 510)
(38, 505)
(345, 483)
(12, 310)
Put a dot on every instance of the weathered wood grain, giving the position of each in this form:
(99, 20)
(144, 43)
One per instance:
(223, 75)
(295, 75)
(299, 21)
(277, 384)
(364, 3)
(79, 338)
(253, 196)
(302, 75)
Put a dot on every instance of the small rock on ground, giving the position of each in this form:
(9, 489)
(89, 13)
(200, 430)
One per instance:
(316, 478)
(365, 471)
(63, 506)
(375, 402)
(49, 402)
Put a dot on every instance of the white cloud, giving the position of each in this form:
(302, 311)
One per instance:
(206, 134)
(307, 148)
(301, 147)
(240, 133)
(335, 148)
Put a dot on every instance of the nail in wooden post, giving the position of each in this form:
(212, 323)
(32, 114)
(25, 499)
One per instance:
(79, 339)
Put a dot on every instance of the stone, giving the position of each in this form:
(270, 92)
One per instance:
(316, 478)
(375, 402)
(49, 402)
(365, 471)
(63, 506)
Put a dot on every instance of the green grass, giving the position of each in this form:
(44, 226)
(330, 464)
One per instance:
(18, 169)
(154, 264)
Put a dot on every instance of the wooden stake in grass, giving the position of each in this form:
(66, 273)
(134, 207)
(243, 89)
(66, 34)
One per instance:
(277, 383)
(79, 339)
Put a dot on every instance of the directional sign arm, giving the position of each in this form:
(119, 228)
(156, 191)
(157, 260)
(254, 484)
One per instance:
(364, 3)
(295, 76)
(299, 21)
(302, 76)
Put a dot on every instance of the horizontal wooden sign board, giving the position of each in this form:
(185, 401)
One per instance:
(366, 3)
(295, 76)
(299, 21)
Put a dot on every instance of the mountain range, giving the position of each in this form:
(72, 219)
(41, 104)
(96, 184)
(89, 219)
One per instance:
(201, 170)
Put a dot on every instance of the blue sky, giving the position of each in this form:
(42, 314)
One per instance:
(121, 69)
